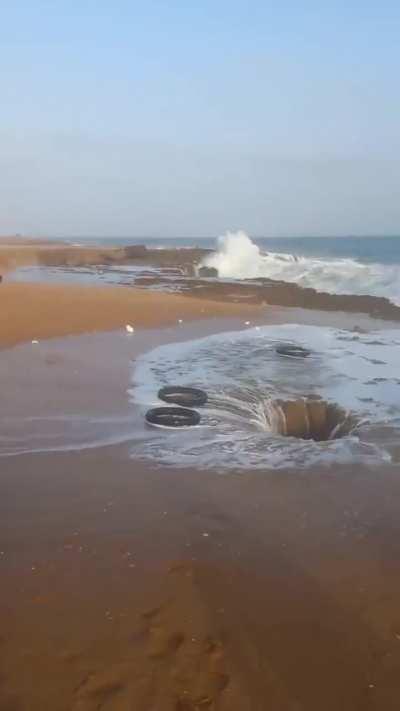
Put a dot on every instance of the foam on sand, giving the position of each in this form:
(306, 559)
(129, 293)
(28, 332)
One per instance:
(260, 411)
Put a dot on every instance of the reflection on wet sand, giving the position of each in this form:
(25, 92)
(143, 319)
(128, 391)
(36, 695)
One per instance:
(125, 587)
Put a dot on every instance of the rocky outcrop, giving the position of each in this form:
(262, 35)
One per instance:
(208, 272)
(135, 251)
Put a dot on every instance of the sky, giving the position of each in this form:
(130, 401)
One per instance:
(159, 118)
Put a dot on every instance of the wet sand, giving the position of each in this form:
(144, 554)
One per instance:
(131, 586)
(127, 586)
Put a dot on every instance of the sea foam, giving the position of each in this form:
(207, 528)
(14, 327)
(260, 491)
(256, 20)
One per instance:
(238, 257)
(244, 376)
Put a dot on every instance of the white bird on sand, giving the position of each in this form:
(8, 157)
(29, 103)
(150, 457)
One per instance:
(129, 328)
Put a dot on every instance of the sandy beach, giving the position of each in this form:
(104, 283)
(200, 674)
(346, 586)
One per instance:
(127, 584)
(133, 588)
(199, 356)
(37, 311)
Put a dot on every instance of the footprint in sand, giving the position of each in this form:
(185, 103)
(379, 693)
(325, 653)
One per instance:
(175, 664)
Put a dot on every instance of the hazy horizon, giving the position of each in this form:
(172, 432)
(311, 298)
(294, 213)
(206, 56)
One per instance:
(192, 239)
(169, 121)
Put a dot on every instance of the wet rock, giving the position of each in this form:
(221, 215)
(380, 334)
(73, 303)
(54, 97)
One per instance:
(135, 251)
(208, 272)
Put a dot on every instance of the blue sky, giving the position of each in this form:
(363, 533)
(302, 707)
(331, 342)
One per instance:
(188, 118)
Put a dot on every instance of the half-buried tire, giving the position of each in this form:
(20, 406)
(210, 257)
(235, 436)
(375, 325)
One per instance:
(187, 397)
(292, 351)
(172, 417)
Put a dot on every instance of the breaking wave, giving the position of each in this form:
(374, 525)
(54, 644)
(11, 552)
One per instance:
(237, 257)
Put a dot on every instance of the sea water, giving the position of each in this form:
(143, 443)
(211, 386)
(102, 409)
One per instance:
(244, 375)
(337, 265)
(340, 266)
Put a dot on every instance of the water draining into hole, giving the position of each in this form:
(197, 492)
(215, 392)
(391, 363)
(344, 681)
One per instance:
(309, 419)
(341, 403)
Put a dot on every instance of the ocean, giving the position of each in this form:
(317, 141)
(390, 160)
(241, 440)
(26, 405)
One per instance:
(341, 265)
(385, 250)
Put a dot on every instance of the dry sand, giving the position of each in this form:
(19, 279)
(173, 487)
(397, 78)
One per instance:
(38, 311)
(132, 588)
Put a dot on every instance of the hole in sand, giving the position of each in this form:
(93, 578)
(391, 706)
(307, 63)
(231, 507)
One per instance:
(309, 418)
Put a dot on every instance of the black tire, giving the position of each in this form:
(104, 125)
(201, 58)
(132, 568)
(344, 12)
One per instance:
(293, 351)
(172, 417)
(187, 397)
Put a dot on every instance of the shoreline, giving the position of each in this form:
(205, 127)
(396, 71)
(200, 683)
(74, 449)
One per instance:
(256, 292)
(132, 585)
(87, 378)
